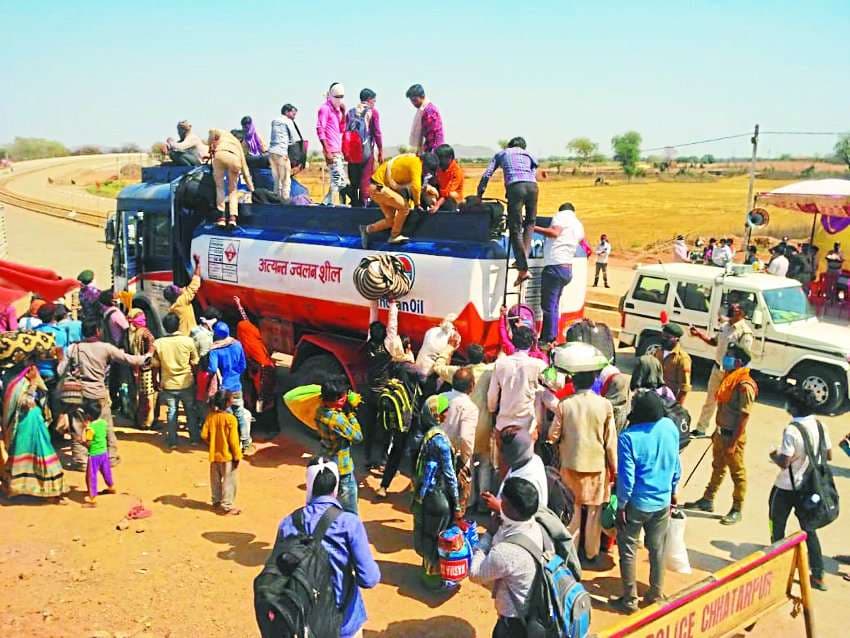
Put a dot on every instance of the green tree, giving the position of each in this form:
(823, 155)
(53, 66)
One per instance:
(503, 143)
(28, 148)
(88, 149)
(707, 159)
(583, 149)
(626, 149)
(842, 149)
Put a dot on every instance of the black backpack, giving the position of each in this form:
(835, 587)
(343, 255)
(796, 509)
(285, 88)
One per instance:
(293, 595)
(561, 499)
(817, 504)
(196, 191)
(677, 413)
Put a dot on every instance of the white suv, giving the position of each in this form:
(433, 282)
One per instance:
(789, 339)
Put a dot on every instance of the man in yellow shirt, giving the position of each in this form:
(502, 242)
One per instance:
(176, 356)
(395, 185)
(181, 299)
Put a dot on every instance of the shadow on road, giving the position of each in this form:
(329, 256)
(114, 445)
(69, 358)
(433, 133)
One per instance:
(243, 549)
(406, 579)
(428, 628)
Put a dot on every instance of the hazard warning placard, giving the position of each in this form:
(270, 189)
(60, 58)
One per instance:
(223, 259)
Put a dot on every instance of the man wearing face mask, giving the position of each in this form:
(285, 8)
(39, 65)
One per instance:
(329, 127)
(675, 361)
(735, 398)
(735, 330)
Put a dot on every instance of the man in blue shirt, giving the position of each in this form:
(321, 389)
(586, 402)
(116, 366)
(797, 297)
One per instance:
(47, 367)
(73, 327)
(227, 358)
(648, 470)
(345, 542)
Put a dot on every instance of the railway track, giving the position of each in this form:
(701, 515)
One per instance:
(89, 218)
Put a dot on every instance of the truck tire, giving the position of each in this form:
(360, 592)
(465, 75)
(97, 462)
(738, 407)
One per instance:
(827, 384)
(316, 368)
(649, 343)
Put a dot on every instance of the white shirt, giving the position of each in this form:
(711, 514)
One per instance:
(792, 446)
(779, 266)
(562, 249)
(680, 252)
(513, 389)
(721, 255)
(603, 249)
(535, 473)
(461, 422)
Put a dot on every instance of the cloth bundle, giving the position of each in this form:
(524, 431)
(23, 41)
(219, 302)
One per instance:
(381, 276)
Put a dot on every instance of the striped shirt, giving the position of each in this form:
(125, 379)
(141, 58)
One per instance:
(338, 431)
(516, 163)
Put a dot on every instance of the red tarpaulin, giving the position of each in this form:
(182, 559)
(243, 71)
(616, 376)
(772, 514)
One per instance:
(20, 280)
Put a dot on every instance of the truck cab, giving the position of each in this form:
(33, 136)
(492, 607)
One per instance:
(789, 340)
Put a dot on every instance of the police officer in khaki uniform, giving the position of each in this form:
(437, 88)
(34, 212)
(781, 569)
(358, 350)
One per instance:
(735, 330)
(735, 397)
(675, 362)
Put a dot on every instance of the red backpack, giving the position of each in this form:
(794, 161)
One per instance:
(356, 145)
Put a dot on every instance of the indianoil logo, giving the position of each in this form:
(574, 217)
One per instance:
(408, 265)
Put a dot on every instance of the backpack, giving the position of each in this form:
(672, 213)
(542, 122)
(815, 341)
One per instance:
(356, 143)
(561, 499)
(596, 334)
(817, 504)
(196, 191)
(395, 406)
(558, 605)
(677, 413)
(293, 595)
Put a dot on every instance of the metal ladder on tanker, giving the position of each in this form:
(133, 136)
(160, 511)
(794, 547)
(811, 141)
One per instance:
(528, 292)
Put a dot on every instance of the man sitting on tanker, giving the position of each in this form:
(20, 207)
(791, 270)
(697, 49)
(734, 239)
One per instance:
(395, 184)
(189, 149)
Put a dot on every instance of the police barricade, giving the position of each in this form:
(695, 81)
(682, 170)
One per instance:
(731, 599)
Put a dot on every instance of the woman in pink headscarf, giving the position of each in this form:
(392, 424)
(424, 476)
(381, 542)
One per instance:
(141, 342)
(256, 149)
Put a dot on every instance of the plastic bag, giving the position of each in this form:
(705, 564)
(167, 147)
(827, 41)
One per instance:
(675, 550)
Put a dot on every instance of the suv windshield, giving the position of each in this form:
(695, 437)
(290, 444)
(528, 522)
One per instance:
(787, 304)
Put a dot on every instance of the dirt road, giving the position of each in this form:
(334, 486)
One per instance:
(187, 572)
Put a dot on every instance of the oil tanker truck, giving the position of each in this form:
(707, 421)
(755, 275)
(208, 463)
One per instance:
(292, 268)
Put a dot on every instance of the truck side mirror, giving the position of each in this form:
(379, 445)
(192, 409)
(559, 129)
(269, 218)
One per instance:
(758, 317)
(109, 231)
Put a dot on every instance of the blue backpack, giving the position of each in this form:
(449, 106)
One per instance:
(558, 605)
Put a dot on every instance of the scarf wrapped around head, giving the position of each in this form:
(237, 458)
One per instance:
(313, 471)
(731, 382)
(648, 373)
(252, 140)
(252, 342)
(137, 319)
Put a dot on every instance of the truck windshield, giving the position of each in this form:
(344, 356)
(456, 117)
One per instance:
(787, 304)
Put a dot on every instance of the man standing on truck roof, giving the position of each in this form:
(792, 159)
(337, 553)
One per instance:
(395, 185)
(228, 159)
(181, 299)
(675, 361)
(330, 123)
(736, 330)
(735, 398)
(284, 134)
(426, 133)
(563, 237)
(520, 170)
(189, 149)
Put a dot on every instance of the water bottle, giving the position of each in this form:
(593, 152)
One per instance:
(429, 479)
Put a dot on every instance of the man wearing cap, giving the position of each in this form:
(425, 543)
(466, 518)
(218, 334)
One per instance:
(181, 299)
(734, 330)
(227, 358)
(176, 356)
(586, 434)
(680, 250)
(735, 398)
(675, 362)
(648, 470)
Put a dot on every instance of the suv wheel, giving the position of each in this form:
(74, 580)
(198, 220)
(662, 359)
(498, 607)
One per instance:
(826, 384)
(649, 343)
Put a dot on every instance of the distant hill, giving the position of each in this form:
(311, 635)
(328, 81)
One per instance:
(461, 151)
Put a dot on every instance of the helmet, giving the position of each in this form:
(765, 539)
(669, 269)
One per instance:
(576, 357)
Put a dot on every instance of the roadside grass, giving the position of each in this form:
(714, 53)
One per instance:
(109, 188)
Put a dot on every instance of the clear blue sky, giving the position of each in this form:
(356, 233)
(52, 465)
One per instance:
(113, 72)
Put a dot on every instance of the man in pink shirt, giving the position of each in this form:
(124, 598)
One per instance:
(426, 133)
(329, 127)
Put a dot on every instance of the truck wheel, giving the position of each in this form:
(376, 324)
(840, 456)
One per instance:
(316, 368)
(649, 343)
(826, 384)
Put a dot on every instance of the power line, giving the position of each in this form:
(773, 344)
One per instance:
(801, 133)
(737, 136)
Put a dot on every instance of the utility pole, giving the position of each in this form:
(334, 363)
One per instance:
(755, 142)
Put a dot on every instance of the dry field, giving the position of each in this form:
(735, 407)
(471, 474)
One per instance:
(643, 213)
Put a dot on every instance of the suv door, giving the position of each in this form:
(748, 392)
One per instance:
(692, 307)
(643, 306)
